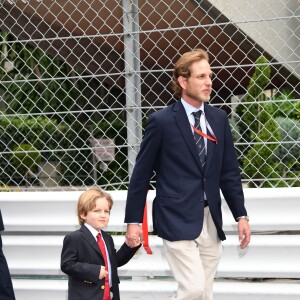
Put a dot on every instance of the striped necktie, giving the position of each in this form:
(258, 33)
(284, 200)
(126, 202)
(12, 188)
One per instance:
(199, 140)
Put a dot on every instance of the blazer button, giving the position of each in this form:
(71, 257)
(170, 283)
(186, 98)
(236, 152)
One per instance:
(102, 287)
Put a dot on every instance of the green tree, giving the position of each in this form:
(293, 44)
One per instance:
(33, 82)
(284, 105)
(260, 162)
(250, 106)
(269, 128)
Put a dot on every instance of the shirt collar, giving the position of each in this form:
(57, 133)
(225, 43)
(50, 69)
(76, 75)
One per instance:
(93, 231)
(189, 108)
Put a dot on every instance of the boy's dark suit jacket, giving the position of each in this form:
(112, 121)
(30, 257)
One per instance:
(81, 260)
(6, 289)
(168, 148)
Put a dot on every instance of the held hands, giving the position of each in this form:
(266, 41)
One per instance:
(134, 235)
(103, 273)
(244, 233)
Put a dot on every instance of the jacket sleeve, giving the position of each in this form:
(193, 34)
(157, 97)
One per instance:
(143, 171)
(125, 253)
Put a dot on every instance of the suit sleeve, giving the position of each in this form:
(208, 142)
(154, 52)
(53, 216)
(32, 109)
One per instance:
(125, 253)
(143, 171)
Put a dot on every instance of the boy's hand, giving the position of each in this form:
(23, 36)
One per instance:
(133, 244)
(103, 273)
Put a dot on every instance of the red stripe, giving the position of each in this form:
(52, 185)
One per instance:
(204, 135)
(145, 231)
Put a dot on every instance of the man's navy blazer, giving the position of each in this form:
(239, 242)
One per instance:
(168, 149)
(81, 259)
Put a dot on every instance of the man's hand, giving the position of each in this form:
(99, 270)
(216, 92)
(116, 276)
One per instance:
(134, 235)
(244, 233)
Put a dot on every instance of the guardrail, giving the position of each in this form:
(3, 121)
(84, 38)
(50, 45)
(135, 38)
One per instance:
(268, 256)
(36, 223)
(269, 210)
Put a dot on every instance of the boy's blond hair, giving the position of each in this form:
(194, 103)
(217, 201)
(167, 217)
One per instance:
(87, 202)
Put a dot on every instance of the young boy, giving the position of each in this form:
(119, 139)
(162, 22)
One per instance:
(92, 273)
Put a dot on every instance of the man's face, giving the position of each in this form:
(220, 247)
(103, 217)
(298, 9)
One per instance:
(197, 88)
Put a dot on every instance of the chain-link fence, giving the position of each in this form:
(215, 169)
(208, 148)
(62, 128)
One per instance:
(78, 79)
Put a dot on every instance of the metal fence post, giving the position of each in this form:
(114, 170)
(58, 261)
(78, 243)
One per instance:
(132, 79)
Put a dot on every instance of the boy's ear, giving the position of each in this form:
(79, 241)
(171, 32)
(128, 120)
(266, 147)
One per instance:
(83, 216)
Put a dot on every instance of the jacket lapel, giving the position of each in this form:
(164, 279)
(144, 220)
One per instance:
(90, 238)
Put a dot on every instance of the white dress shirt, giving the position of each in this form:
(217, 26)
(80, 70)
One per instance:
(189, 109)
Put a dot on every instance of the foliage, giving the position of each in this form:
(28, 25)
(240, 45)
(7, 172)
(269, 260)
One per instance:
(235, 130)
(259, 163)
(26, 157)
(282, 106)
(268, 127)
(40, 132)
(38, 83)
(288, 151)
(73, 161)
(255, 94)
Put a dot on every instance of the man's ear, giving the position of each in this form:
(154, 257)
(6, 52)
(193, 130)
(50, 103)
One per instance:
(182, 82)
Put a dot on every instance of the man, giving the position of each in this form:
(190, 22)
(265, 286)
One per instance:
(6, 289)
(193, 157)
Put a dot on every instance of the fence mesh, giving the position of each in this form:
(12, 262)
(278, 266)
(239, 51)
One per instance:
(78, 79)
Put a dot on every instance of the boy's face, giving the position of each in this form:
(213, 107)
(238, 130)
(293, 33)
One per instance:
(99, 216)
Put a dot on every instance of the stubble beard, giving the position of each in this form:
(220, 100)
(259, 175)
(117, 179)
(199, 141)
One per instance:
(198, 98)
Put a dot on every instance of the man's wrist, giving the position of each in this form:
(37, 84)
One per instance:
(242, 217)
